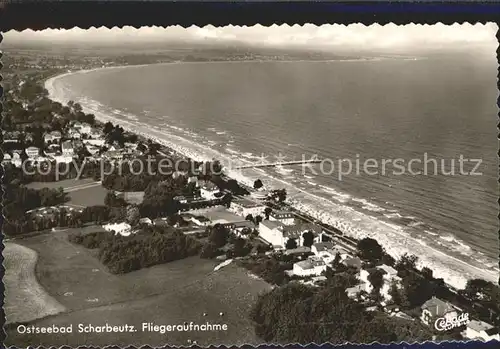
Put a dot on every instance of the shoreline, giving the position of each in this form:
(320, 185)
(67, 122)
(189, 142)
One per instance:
(441, 268)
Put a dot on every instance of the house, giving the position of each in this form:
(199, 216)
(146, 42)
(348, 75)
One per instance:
(145, 220)
(208, 191)
(243, 207)
(92, 149)
(389, 276)
(278, 233)
(16, 160)
(353, 292)
(480, 330)
(52, 137)
(11, 137)
(329, 254)
(85, 128)
(32, 152)
(67, 148)
(309, 267)
(95, 134)
(114, 155)
(6, 158)
(285, 217)
(436, 308)
(74, 134)
(131, 197)
(52, 150)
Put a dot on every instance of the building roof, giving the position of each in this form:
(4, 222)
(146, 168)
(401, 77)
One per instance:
(271, 224)
(437, 307)
(323, 246)
(479, 326)
(388, 269)
(278, 214)
(355, 289)
(56, 134)
(310, 263)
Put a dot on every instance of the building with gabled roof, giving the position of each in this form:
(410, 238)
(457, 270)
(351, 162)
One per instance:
(436, 308)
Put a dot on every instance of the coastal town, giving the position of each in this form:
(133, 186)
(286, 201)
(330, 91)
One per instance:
(67, 173)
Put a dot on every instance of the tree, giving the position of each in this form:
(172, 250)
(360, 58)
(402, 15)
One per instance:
(241, 247)
(397, 295)
(219, 235)
(133, 215)
(267, 212)
(108, 127)
(258, 219)
(336, 261)
(376, 278)
(257, 184)
(209, 251)
(291, 244)
(370, 250)
(250, 218)
(427, 273)
(308, 238)
(406, 262)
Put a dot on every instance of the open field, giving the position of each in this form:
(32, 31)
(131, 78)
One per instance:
(171, 293)
(25, 299)
(81, 192)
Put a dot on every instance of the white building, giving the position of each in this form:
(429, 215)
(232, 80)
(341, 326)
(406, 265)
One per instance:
(6, 158)
(285, 217)
(480, 330)
(74, 134)
(328, 251)
(54, 136)
(208, 191)
(85, 129)
(353, 292)
(278, 233)
(95, 134)
(244, 207)
(16, 160)
(67, 148)
(32, 152)
(309, 267)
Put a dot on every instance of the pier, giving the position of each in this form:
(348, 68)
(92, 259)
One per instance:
(296, 162)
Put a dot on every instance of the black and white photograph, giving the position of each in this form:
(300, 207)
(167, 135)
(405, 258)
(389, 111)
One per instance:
(250, 185)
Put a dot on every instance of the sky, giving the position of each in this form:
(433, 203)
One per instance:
(325, 36)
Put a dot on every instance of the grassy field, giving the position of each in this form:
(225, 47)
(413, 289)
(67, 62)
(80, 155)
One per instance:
(25, 299)
(171, 293)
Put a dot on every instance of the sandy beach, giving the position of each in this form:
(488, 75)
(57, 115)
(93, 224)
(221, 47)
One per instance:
(454, 271)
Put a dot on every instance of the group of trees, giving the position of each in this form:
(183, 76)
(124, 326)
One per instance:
(151, 246)
(18, 199)
(296, 313)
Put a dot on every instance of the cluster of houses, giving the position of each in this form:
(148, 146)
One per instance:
(63, 147)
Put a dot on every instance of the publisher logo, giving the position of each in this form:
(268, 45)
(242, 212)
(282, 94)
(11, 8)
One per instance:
(448, 323)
